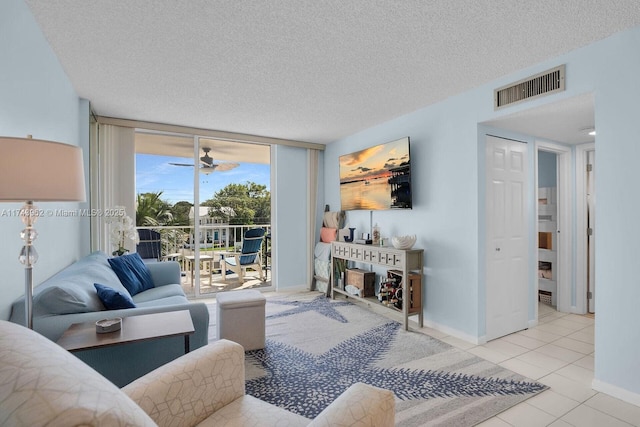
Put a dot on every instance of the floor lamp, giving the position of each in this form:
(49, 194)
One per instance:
(36, 170)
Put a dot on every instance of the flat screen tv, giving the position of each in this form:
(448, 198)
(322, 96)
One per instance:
(376, 178)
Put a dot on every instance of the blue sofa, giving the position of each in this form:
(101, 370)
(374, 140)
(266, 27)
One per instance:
(70, 297)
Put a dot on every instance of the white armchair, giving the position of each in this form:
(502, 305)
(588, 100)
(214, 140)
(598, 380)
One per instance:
(207, 387)
(42, 384)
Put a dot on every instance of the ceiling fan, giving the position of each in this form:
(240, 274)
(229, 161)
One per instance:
(208, 166)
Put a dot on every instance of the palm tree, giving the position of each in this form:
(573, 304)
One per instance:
(151, 210)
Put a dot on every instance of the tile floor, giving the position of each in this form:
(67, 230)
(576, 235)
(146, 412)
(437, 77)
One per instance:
(559, 353)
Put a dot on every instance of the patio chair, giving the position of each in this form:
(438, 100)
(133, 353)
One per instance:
(249, 256)
(150, 246)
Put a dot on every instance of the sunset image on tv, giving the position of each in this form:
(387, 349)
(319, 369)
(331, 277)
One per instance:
(377, 178)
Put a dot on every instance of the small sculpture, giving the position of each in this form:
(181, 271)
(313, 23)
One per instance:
(350, 238)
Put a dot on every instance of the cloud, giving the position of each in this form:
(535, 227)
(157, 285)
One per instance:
(362, 169)
(360, 156)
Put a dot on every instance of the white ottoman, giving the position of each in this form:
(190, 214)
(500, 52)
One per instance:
(241, 317)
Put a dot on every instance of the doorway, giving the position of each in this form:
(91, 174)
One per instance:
(591, 238)
(554, 230)
(569, 123)
(585, 237)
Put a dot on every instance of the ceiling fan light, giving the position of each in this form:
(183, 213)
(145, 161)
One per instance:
(207, 166)
(591, 131)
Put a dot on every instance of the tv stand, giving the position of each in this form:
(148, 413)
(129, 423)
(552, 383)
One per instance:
(403, 262)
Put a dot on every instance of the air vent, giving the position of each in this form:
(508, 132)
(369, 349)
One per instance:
(546, 83)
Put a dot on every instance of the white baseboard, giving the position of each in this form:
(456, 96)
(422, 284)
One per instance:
(294, 288)
(575, 310)
(617, 392)
(454, 333)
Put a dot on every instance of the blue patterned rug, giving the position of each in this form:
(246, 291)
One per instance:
(316, 348)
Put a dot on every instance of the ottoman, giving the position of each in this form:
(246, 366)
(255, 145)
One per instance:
(240, 318)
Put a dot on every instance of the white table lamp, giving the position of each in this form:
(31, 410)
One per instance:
(36, 170)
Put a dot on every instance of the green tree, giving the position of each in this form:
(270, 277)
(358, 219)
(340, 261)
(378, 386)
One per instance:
(180, 212)
(261, 203)
(250, 203)
(151, 210)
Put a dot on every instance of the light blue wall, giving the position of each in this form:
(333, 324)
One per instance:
(291, 244)
(618, 204)
(447, 148)
(36, 98)
(547, 169)
(444, 184)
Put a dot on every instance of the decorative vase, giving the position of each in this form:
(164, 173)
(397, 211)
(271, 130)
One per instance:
(120, 251)
(376, 235)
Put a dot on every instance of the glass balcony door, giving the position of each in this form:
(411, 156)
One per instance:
(215, 190)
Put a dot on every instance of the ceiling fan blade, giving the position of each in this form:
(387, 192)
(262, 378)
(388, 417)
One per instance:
(180, 164)
(222, 167)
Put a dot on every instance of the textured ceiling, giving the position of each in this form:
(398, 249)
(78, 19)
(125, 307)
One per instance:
(312, 71)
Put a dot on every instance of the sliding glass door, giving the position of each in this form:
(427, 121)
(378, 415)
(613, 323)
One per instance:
(200, 196)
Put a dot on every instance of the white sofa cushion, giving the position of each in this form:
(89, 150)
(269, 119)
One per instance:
(247, 411)
(192, 387)
(42, 384)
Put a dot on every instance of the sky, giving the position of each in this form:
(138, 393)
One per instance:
(373, 162)
(154, 173)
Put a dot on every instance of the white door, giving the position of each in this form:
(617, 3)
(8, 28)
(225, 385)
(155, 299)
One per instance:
(507, 237)
(591, 237)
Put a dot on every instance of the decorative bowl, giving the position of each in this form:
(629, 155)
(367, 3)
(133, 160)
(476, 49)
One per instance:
(403, 242)
(108, 325)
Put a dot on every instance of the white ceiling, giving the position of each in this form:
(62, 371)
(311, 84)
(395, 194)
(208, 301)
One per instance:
(566, 121)
(308, 70)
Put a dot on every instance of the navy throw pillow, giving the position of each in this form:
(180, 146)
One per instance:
(112, 299)
(132, 272)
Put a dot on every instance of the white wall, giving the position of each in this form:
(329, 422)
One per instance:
(447, 146)
(36, 98)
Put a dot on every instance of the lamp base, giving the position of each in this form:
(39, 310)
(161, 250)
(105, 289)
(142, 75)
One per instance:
(28, 257)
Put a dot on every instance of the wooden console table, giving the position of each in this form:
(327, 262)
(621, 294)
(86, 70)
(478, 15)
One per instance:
(400, 260)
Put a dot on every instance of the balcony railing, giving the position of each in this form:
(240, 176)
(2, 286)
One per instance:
(213, 237)
(179, 243)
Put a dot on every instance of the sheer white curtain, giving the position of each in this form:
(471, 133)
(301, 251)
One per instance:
(113, 181)
(312, 202)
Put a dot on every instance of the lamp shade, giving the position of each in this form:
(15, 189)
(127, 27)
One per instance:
(38, 170)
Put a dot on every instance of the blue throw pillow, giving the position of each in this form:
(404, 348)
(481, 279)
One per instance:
(132, 272)
(112, 299)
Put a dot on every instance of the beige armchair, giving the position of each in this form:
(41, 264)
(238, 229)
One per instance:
(42, 384)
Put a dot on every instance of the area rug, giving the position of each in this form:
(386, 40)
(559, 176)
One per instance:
(317, 347)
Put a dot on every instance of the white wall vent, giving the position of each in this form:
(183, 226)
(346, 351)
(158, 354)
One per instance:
(545, 83)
